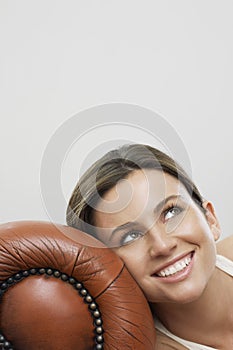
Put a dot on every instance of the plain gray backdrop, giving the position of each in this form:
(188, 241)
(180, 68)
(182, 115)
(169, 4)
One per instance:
(61, 57)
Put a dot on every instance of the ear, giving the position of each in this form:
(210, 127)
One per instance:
(212, 219)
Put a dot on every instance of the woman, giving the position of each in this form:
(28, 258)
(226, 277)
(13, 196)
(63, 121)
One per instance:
(143, 205)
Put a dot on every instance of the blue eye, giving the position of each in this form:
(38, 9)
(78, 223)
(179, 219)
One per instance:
(172, 212)
(130, 237)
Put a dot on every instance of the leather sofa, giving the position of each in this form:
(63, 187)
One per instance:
(61, 289)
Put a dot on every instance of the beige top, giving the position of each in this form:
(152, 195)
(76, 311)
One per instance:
(171, 341)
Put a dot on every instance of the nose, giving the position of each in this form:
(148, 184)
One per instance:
(160, 243)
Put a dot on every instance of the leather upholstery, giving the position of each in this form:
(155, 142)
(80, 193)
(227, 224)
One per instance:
(45, 312)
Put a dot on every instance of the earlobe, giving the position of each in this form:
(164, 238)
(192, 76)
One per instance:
(212, 219)
(216, 232)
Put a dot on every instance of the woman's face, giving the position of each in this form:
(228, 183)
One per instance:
(164, 238)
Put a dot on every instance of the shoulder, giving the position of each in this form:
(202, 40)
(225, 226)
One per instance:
(225, 247)
(163, 342)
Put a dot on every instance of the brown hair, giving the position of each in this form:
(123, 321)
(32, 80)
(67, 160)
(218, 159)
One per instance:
(112, 167)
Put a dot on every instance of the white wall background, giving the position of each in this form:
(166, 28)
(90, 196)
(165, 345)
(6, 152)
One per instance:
(60, 57)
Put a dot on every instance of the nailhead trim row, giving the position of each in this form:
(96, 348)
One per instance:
(78, 286)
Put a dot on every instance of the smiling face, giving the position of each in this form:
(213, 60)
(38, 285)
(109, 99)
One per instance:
(162, 235)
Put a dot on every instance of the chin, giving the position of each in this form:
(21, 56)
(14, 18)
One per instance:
(182, 296)
(189, 295)
(187, 298)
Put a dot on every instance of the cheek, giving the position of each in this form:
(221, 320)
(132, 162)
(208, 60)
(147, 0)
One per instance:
(195, 227)
(134, 260)
(198, 232)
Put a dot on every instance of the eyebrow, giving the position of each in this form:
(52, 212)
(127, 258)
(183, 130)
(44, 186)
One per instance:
(157, 209)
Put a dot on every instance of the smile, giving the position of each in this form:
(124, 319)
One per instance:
(178, 266)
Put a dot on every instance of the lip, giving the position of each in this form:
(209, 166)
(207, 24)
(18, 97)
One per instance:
(178, 276)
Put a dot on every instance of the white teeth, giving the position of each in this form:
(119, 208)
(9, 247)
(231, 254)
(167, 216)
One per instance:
(178, 266)
(163, 273)
(172, 270)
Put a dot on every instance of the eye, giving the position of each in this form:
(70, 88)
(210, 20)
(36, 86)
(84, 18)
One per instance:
(130, 237)
(172, 212)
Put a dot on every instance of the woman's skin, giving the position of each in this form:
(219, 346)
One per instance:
(168, 243)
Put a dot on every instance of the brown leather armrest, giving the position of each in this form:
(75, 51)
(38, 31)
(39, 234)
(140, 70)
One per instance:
(62, 289)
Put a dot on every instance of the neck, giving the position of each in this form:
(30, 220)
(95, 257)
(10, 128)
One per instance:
(208, 313)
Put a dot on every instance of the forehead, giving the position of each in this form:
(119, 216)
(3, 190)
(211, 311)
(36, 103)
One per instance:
(139, 193)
